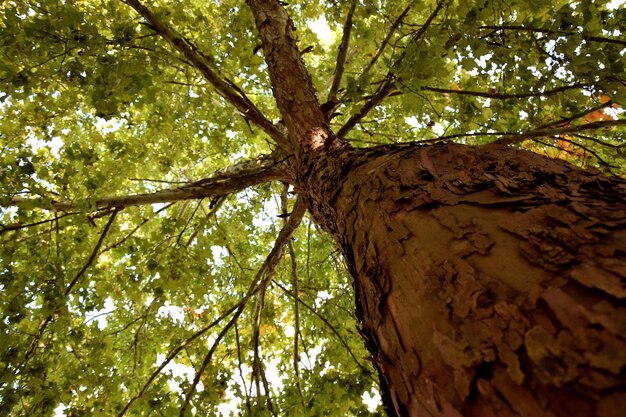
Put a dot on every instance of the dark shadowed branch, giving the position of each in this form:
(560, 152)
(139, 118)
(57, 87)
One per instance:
(541, 132)
(385, 89)
(506, 96)
(583, 147)
(342, 54)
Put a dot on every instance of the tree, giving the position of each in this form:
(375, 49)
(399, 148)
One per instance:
(157, 173)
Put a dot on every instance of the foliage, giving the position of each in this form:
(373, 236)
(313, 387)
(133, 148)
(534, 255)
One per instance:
(94, 103)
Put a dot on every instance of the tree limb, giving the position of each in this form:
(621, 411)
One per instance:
(224, 88)
(293, 89)
(226, 181)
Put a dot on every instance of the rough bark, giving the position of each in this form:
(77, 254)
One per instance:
(489, 281)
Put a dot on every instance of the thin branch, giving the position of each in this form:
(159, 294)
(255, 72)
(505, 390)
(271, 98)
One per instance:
(132, 232)
(599, 142)
(507, 140)
(331, 327)
(44, 323)
(226, 89)
(383, 45)
(243, 380)
(19, 226)
(294, 285)
(229, 180)
(422, 30)
(375, 100)
(555, 32)
(386, 88)
(264, 277)
(342, 54)
(583, 147)
(209, 356)
(178, 349)
(257, 366)
(505, 96)
(565, 121)
(214, 205)
(94, 254)
(180, 235)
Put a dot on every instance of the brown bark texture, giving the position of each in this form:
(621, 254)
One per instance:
(489, 281)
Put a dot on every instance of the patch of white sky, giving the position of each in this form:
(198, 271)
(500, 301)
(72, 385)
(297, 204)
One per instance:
(322, 30)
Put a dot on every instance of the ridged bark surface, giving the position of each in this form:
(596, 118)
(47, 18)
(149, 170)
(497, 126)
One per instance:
(489, 281)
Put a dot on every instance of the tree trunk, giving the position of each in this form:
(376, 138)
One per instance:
(489, 281)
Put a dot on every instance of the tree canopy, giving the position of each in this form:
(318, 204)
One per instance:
(154, 260)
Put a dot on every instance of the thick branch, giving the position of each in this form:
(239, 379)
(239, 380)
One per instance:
(343, 53)
(226, 89)
(291, 83)
(229, 180)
